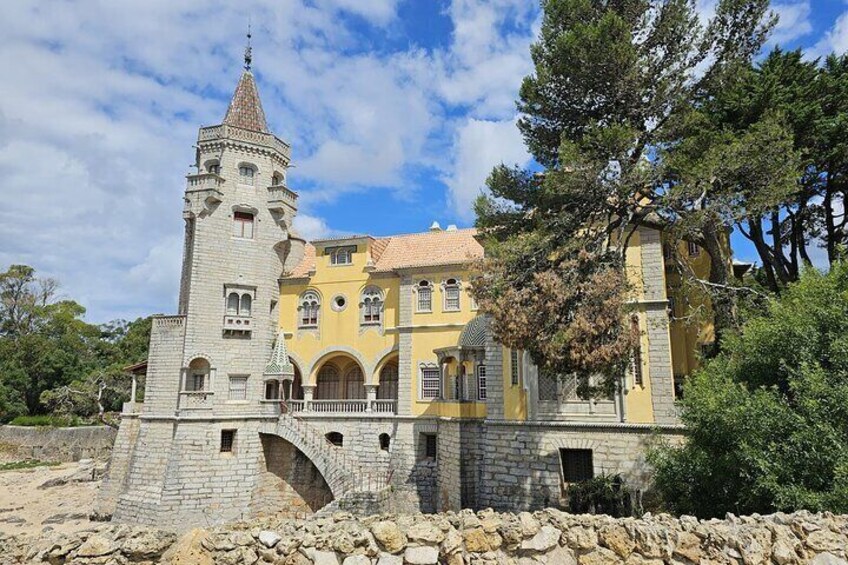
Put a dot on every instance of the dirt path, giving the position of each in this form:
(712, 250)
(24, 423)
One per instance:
(27, 509)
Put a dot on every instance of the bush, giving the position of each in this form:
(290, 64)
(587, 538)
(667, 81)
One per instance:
(604, 494)
(47, 420)
(767, 419)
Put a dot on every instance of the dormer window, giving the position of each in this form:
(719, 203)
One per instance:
(341, 255)
(243, 225)
(246, 174)
(451, 292)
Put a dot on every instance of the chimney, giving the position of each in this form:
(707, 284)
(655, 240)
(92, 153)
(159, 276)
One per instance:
(451, 227)
(435, 227)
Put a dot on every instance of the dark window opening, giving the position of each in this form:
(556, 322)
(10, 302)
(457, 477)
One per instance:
(335, 438)
(576, 465)
(430, 446)
(385, 440)
(228, 438)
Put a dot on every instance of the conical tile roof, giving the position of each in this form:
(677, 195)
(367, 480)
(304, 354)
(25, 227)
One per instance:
(245, 109)
(279, 365)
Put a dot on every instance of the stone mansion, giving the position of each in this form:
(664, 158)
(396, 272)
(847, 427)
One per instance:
(356, 372)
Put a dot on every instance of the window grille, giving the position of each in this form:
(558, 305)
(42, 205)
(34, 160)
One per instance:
(481, 382)
(451, 290)
(514, 366)
(430, 383)
(228, 440)
(238, 388)
(425, 297)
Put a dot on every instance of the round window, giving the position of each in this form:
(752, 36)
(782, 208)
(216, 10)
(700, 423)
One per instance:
(339, 303)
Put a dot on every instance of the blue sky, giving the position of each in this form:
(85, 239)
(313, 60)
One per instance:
(396, 111)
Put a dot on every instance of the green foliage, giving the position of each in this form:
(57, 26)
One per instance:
(27, 464)
(47, 350)
(612, 83)
(47, 420)
(604, 494)
(768, 418)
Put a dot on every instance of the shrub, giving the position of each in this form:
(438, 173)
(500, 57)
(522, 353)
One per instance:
(604, 494)
(47, 420)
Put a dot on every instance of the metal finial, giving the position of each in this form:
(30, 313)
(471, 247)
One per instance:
(248, 51)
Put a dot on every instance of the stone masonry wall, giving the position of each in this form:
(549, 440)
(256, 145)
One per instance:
(521, 467)
(457, 538)
(55, 444)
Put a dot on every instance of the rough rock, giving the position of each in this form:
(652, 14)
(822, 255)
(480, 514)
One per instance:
(421, 555)
(546, 539)
(269, 539)
(389, 536)
(97, 546)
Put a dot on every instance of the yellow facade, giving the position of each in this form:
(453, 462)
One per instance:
(341, 338)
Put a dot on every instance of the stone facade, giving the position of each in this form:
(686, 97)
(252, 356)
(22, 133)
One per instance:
(231, 426)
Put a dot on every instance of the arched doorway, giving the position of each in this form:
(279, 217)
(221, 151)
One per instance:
(340, 386)
(289, 485)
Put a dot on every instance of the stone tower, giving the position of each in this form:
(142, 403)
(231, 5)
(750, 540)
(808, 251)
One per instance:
(191, 453)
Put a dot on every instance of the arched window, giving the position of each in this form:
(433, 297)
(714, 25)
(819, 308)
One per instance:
(385, 440)
(247, 173)
(213, 166)
(328, 383)
(197, 376)
(233, 304)
(277, 179)
(388, 389)
(246, 303)
(354, 383)
(371, 307)
(272, 390)
(451, 294)
(425, 296)
(335, 438)
(310, 303)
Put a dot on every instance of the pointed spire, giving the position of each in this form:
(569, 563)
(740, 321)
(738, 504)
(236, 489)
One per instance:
(279, 365)
(245, 109)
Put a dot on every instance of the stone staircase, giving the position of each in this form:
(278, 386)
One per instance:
(343, 475)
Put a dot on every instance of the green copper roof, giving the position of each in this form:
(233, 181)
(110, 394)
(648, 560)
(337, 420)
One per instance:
(279, 365)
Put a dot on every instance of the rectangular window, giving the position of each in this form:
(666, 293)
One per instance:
(197, 382)
(514, 366)
(481, 382)
(243, 225)
(637, 352)
(452, 298)
(425, 299)
(228, 440)
(430, 446)
(576, 465)
(430, 383)
(693, 248)
(238, 388)
(272, 390)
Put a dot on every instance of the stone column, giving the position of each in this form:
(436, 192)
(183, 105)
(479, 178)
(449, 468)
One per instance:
(371, 396)
(494, 378)
(655, 303)
(133, 389)
(405, 362)
(308, 391)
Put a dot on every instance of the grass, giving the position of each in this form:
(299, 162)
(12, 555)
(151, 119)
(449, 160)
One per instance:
(27, 464)
(47, 420)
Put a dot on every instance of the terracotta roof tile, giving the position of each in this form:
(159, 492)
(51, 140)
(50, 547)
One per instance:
(428, 249)
(245, 109)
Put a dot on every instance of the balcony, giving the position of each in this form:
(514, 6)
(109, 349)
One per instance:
(280, 198)
(196, 400)
(237, 325)
(361, 407)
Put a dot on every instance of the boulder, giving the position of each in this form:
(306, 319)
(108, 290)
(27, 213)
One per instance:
(421, 555)
(389, 536)
(269, 539)
(545, 540)
(97, 546)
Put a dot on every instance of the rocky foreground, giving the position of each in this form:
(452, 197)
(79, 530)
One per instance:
(485, 537)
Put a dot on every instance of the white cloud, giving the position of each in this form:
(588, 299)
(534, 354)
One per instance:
(835, 40)
(794, 22)
(481, 145)
(311, 227)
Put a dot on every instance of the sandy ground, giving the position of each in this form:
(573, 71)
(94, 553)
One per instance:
(27, 509)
